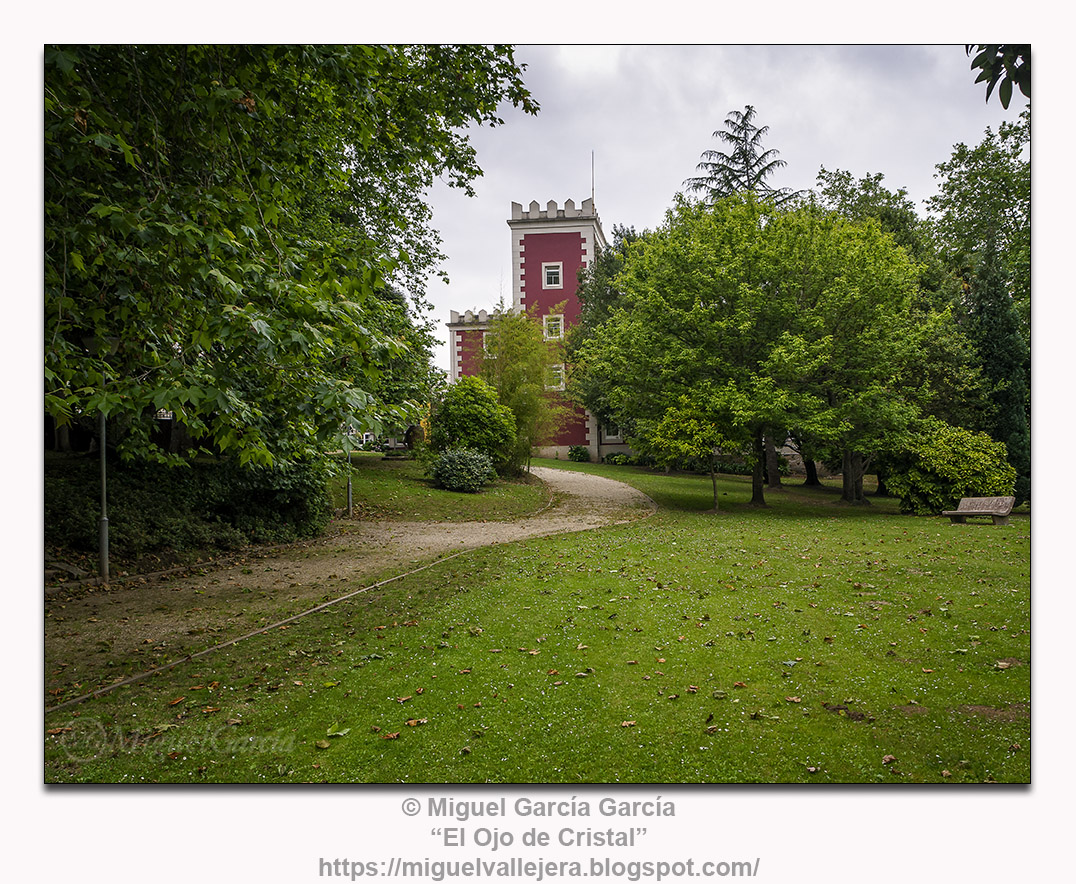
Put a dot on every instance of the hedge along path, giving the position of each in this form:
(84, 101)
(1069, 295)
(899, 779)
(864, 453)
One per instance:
(578, 502)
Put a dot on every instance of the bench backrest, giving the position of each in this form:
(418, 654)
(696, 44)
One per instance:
(1001, 505)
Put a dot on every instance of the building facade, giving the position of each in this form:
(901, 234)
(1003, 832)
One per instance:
(550, 245)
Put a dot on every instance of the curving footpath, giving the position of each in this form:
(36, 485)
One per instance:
(154, 621)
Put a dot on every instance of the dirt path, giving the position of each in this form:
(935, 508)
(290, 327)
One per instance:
(93, 635)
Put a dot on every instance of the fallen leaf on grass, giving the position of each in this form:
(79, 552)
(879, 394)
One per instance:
(793, 699)
(692, 688)
(889, 759)
(627, 724)
(415, 722)
(403, 699)
(176, 700)
(55, 731)
(337, 731)
(209, 709)
(392, 736)
(322, 744)
(740, 684)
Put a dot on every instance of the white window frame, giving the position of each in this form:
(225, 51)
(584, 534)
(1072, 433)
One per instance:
(553, 265)
(557, 321)
(556, 374)
(485, 346)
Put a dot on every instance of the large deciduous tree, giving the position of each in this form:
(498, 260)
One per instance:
(755, 321)
(218, 220)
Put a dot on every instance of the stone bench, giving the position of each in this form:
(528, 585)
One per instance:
(998, 508)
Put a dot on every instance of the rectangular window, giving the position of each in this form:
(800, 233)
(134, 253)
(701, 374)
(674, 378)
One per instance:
(553, 326)
(489, 354)
(552, 276)
(556, 377)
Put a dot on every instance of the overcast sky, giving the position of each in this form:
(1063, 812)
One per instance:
(648, 112)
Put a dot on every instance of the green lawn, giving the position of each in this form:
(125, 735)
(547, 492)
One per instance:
(803, 642)
(397, 489)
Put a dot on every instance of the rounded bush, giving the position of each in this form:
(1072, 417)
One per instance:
(470, 417)
(944, 463)
(463, 470)
(579, 453)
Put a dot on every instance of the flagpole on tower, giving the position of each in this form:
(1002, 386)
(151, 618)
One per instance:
(592, 176)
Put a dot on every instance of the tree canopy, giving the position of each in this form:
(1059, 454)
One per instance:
(219, 219)
(759, 321)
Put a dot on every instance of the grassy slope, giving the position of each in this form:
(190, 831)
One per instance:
(803, 642)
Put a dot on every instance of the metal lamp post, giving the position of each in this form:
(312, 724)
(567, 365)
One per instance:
(93, 345)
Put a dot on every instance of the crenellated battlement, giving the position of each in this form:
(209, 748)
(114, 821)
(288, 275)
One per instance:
(468, 317)
(535, 212)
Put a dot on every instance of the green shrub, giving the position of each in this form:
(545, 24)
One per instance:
(618, 460)
(463, 470)
(579, 453)
(470, 417)
(201, 505)
(943, 463)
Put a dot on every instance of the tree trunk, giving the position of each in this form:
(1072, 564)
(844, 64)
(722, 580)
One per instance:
(852, 471)
(713, 477)
(179, 439)
(63, 437)
(882, 490)
(758, 497)
(812, 472)
(773, 465)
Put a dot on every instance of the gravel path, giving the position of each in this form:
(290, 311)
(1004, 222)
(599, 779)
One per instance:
(154, 620)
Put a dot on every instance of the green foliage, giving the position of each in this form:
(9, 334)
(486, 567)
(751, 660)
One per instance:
(204, 505)
(218, 220)
(994, 326)
(470, 416)
(1009, 64)
(463, 470)
(763, 321)
(579, 453)
(516, 362)
(942, 463)
(983, 203)
(745, 168)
